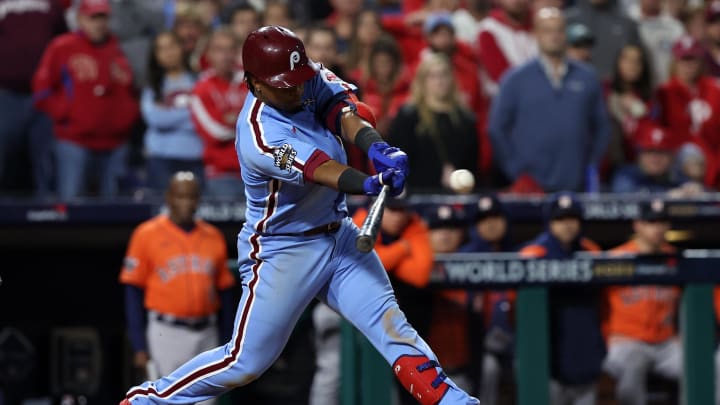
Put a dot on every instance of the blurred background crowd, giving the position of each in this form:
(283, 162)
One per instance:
(110, 97)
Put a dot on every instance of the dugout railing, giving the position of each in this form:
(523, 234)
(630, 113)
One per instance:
(367, 379)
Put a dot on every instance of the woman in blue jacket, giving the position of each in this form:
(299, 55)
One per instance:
(171, 143)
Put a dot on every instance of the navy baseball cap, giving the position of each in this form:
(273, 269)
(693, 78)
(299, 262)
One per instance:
(436, 20)
(654, 210)
(447, 216)
(563, 205)
(579, 34)
(489, 205)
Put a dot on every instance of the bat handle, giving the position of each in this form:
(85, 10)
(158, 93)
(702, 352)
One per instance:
(368, 233)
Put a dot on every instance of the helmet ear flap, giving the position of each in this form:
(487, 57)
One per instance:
(248, 82)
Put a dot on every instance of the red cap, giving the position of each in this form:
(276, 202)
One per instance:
(688, 47)
(92, 7)
(712, 12)
(654, 138)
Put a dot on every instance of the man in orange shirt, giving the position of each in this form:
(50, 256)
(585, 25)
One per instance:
(640, 322)
(403, 246)
(176, 270)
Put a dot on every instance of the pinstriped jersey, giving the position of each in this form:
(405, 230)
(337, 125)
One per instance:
(278, 150)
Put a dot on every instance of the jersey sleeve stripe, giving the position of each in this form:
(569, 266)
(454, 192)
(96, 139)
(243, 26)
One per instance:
(210, 125)
(259, 138)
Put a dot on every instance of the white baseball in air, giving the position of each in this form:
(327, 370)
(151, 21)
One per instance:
(462, 181)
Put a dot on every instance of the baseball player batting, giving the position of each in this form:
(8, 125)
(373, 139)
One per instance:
(298, 242)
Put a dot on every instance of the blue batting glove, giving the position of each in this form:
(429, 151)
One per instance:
(395, 179)
(386, 157)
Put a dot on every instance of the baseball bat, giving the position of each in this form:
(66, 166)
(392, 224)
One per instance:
(365, 241)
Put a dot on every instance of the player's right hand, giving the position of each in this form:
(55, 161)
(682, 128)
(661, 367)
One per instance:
(393, 178)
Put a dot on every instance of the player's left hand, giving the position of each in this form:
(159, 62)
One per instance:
(393, 178)
(386, 157)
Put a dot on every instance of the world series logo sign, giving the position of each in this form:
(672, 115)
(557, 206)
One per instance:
(470, 269)
(513, 271)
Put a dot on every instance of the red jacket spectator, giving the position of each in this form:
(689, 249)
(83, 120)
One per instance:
(692, 113)
(214, 109)
(385, 105)
(503, 43)
(87, 91)
(693, 116)
(409, 37)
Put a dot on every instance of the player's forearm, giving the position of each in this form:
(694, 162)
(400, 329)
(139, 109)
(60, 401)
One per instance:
(351, 124)
(352, 181)
(340, 177)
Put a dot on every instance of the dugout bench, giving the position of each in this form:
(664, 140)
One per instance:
(367, 379)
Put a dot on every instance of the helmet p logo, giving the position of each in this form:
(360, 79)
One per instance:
(294, 58)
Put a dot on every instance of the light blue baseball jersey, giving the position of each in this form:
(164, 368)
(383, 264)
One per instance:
(276, 150)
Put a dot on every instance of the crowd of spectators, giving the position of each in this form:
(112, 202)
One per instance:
(532, 96)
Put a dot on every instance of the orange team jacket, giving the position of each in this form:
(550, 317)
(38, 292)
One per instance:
(538, 251)
(645, 313)
(412, 267)
(180, 271)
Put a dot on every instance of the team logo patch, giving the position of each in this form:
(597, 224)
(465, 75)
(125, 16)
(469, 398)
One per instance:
(285, 156)
(485, 203)
(565, 201)
(83, 67)
(294, 58)
(657, 205)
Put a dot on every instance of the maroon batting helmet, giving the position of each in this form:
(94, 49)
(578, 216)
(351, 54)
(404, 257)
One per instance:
(276, 56)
